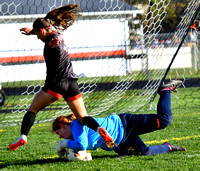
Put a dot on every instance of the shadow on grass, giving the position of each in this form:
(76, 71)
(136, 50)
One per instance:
(106, 156)
(4, 164)
(32, 162)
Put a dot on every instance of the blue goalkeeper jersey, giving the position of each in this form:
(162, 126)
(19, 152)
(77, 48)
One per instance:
(86, 138)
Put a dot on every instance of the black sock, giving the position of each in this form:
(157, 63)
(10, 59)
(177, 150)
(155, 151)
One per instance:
(27, 122)
(90, 122)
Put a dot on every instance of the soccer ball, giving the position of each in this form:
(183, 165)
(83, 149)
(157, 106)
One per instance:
(78, 156)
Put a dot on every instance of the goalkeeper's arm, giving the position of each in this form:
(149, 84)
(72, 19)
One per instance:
(62, 145)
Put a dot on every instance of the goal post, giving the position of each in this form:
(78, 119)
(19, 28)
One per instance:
(120, 58)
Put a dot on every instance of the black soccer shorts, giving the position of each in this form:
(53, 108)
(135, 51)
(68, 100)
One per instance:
(68, 89)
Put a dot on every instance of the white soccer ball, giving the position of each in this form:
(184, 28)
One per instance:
(78, 156)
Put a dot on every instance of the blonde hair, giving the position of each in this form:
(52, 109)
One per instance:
(62, 120)
(60, 18)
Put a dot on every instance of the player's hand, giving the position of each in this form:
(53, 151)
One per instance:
(61, 153)
(25, 30)
(61, 147)
(54, 43)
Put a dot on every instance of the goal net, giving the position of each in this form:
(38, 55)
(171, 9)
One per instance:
(119, 65)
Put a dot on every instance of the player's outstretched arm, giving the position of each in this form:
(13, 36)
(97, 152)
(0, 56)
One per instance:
(26, 31)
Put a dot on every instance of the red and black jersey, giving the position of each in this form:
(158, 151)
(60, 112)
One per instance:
(57, 60)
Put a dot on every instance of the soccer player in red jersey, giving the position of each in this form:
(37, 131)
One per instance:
(60, 81)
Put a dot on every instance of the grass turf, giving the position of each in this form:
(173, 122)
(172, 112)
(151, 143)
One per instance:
(40, 151)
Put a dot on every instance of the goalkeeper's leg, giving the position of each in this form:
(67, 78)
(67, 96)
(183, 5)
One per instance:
(148, 123)
(136, 146)
(41, 100)
(164, 113)
(145, 123)
(164, 148)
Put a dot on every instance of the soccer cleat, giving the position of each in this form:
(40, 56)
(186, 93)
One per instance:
(22, 140)
(106, 137)
(174, 148)
(171, 86)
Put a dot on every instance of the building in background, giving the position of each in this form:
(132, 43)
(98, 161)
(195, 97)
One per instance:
(100, 36)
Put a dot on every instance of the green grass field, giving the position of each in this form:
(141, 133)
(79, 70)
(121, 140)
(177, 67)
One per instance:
(40, 151)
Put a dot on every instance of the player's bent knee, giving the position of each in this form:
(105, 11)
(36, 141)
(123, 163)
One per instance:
(163, 123)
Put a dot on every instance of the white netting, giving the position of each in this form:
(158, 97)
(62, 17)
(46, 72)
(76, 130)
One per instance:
(115, 76)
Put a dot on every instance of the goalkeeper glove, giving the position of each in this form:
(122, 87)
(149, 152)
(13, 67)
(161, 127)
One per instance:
(61, 147)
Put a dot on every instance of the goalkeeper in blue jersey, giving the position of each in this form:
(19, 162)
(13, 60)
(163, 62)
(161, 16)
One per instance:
(124, 128)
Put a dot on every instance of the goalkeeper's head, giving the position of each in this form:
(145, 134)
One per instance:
(61, 126)
(62, 120)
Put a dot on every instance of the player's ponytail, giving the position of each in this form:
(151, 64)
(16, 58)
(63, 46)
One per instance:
(60, 18)
(63, 17)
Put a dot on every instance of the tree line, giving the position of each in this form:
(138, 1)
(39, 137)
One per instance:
(174, 11)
